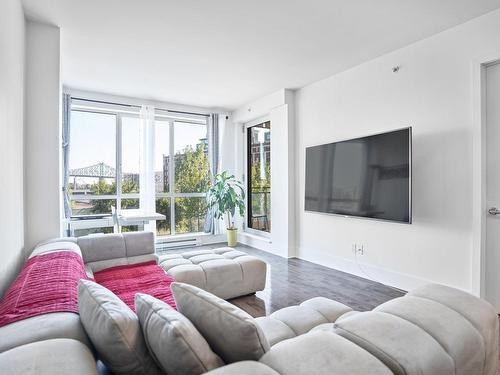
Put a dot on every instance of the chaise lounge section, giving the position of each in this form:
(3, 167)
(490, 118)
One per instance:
(432, 330)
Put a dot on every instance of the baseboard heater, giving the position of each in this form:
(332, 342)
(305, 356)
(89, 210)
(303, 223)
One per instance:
(177, 244)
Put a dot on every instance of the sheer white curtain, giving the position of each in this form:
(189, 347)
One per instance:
(146, 182)
(211, 224)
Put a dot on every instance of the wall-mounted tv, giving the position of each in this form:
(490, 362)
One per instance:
(367, 177)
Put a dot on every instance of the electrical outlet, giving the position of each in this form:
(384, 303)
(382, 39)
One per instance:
(358, 249)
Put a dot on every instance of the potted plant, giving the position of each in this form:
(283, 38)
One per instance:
(223, 198)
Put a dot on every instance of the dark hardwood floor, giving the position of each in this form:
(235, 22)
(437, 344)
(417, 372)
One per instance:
(292, 281)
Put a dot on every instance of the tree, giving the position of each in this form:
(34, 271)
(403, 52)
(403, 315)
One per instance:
(101, 206)
(261, 187)
(192, 175)
(163, 207)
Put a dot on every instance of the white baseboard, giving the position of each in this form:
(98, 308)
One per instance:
(384, 276)
(252, 240)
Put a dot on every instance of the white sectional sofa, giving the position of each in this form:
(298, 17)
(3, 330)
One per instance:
(433, 330)
(21, 339)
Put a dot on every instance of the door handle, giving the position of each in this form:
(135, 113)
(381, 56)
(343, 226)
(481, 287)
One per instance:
(494, 211)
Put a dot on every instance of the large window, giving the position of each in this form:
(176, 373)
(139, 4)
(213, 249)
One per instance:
(105, 169)
(259, 177)
(180, 187)
(92, 163)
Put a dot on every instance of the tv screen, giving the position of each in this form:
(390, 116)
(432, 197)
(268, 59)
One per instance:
(367, 177)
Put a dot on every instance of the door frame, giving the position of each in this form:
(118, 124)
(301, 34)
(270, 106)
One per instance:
(246, 174)
(479, 209)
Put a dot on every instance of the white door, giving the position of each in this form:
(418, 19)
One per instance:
(492, 287)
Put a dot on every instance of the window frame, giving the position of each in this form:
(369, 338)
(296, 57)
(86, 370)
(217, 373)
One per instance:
(104, 220)
(118, 196)
(246, 176)
(172, 194)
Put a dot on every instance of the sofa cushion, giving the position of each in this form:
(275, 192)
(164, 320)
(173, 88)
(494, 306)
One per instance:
(275, 330)
(108, 263)
(297, 320)
(114, 330)
(173, 341)
(98, 247)
(322, 353)
(244, 368)
(54, 357)
(454, 333)
(403, 347)
(478, 312)
(230, 331)
(43, 327)
(139, 243)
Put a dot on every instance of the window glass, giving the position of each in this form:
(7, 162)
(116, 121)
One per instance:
(84, 232)
(93, 165)
(190, 214)
(192, 172)
(162, 156)
(82, 205)
(259, 172)
(131, 159)
(163, 207)
(92, 162)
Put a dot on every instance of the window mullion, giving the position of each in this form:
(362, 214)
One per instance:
(171, 176)
(118, 174)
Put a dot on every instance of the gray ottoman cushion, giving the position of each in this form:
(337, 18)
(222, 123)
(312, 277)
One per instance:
(322, 353)
(225, 272)
(231, 332)
(174, 342)
(114, 330)
(54, 357)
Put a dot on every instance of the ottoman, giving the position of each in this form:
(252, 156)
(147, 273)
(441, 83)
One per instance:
(225, 272)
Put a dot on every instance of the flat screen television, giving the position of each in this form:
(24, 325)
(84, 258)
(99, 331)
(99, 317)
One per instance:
(368, 177)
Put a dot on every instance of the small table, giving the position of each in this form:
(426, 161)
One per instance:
(135, 217)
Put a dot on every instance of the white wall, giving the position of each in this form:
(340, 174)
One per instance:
(42, 133)
(432, 92)
(11, 140)
(279, 107)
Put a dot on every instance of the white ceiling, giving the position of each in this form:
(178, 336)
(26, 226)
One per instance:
(224, 53)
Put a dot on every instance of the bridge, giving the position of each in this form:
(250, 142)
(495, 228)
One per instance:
(97, 170)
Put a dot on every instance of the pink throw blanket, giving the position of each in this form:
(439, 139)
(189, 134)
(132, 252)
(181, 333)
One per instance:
(48, 283)
(126, 281)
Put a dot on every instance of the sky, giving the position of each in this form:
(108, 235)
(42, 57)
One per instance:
(92, 140)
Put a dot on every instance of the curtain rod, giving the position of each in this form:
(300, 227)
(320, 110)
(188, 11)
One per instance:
(138, 106)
